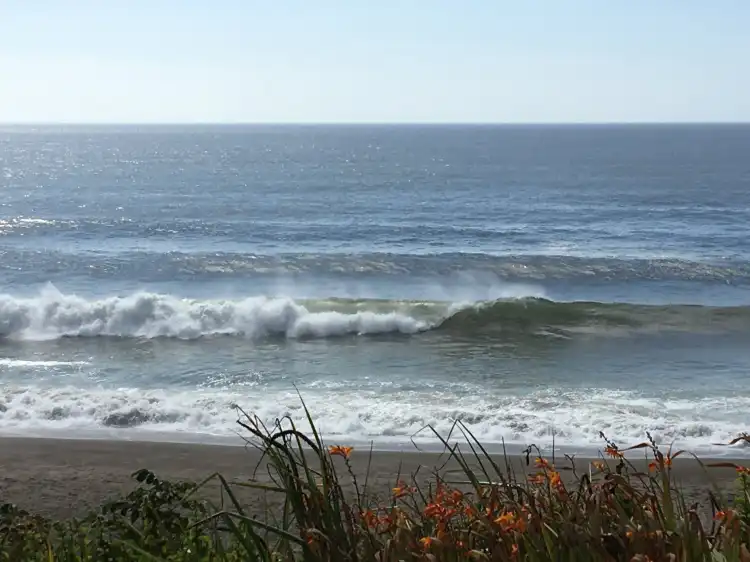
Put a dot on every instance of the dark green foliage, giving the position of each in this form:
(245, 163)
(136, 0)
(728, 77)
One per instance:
(159, 520)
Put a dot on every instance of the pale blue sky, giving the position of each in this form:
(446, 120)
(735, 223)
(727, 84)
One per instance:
(386, 61)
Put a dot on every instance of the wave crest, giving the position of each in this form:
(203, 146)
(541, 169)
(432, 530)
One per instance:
(148, 315)
(53, 315)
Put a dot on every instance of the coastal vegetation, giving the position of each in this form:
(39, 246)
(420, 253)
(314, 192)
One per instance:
(609, 509)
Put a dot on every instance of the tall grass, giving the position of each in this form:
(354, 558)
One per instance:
(490, 511)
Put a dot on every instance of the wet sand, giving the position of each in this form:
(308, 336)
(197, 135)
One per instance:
(65, 478)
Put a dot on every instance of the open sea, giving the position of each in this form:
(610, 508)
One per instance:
(537, 283)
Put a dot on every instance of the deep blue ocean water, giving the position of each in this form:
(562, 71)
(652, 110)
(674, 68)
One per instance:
(532, 281)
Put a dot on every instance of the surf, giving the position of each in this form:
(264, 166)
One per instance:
(52, 315)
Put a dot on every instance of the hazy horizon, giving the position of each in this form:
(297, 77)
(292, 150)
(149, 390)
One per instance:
(169, 62)
(446, 124)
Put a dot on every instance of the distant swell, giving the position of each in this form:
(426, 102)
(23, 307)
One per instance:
(52, 315)
(128, 258)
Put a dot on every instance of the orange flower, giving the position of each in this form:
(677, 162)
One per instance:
(629, 534)
(539, 478)
(514, 550)
(613, 452)
(541, 463)
(506, 521)
(434, 510)
(743, 471)
(599, 465)
(386, 520)
(554, 479)
(470, 511)
(338, 450)
(426, 542)
(457, 496)
(402, 490)
(724, 516)
(660, 462)
(370, 519)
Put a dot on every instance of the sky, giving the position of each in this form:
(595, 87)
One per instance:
(357, 61)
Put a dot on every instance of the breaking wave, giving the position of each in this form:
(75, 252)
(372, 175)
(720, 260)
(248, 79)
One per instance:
(52, 315)
(147, 315)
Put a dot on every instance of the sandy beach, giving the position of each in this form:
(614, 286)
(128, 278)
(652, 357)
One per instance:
(65, 478)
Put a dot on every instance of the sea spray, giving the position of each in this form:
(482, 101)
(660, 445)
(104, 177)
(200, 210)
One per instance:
(149, 315)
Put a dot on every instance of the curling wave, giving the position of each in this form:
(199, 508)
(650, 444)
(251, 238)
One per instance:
(52, 315)
(537, 315)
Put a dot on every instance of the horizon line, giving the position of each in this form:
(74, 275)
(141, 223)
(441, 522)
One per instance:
(358, 123)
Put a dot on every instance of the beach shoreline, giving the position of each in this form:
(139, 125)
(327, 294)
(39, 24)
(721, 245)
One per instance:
(63, 478)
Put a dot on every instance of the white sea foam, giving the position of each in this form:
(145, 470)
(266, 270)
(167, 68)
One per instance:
(572, 418)
(52, 314)
(28, 364)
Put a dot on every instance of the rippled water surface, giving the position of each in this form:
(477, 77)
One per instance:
(530, 281)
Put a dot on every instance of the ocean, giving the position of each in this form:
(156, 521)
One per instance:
(541, 284)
